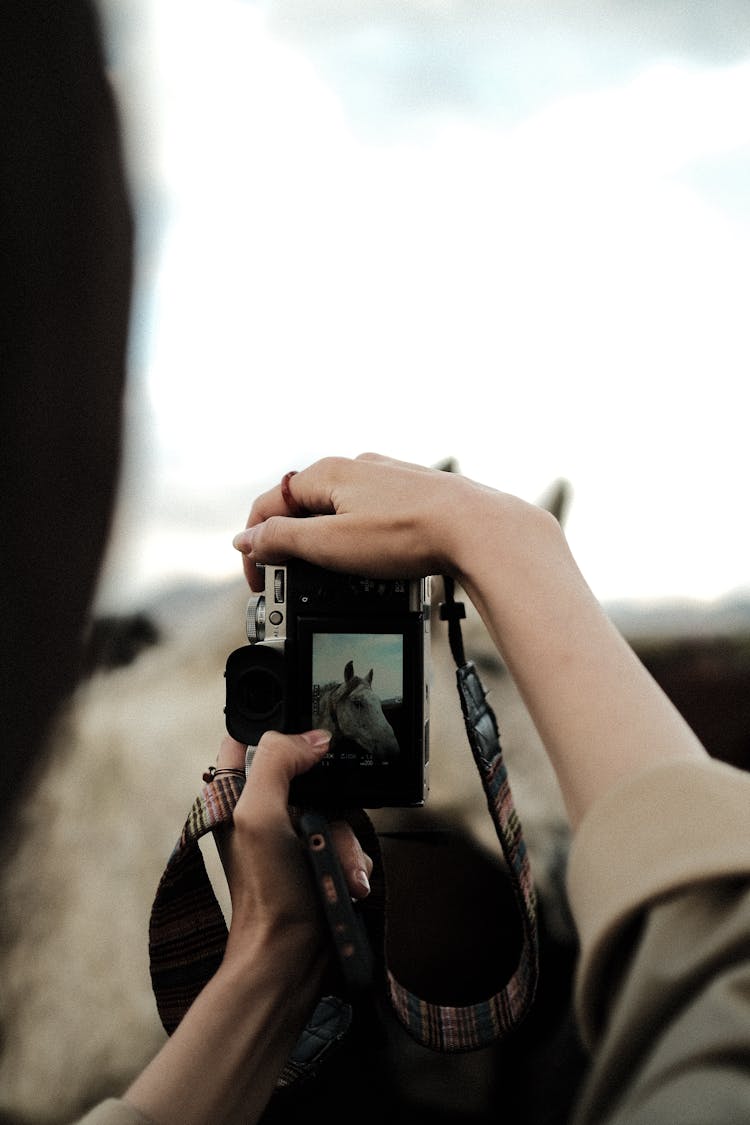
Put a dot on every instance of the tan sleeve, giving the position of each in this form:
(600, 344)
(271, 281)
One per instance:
(659, 883)
(114, 1112)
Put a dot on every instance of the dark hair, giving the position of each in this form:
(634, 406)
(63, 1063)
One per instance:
(66, 259)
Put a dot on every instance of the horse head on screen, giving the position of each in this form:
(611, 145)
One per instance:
(352, 712)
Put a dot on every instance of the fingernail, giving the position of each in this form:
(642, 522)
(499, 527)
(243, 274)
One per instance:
(317, 738)
(244, 540)
(361, 878)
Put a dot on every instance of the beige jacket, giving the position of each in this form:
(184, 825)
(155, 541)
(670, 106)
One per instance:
(659, 884)
(114, 1112)
(660, 888)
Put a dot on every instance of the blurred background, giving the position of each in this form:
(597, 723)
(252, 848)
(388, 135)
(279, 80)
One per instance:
(512, 233)
(515, 233)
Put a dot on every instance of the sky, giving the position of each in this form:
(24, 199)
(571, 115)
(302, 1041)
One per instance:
(512, 233)
(381, 652)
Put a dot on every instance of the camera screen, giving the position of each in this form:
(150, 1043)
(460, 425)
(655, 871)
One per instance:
(358, 694)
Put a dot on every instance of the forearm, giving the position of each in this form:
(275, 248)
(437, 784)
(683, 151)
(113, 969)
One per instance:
(598, 711)
(222, 1062)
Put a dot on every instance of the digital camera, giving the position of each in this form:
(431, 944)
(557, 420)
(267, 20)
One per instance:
(349, 655)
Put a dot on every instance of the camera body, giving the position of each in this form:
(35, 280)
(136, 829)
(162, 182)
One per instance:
(347, 654)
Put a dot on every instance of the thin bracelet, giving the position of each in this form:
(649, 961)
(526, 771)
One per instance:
(212, 773)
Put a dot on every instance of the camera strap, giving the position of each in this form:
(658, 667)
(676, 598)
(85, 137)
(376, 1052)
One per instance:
(467, 1027)
(188, 933)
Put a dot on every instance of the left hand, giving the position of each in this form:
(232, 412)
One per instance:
(269, 883)
(222, 1062)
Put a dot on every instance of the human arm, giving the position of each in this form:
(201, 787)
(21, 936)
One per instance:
(659, 867)
(221, 1063)
(598, 711)
(658, 884)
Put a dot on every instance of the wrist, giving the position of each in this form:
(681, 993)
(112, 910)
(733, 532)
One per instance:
(291, 959)
(501, 547)
(242, 1027)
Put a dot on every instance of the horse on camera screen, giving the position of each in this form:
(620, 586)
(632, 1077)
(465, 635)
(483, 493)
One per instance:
(353, 713)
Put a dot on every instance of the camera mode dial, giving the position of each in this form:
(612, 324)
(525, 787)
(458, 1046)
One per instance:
(255, 618)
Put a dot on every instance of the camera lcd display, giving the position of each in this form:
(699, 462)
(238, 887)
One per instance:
(349, 655)
(358, 694)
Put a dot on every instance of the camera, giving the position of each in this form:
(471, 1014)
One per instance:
(349, 655)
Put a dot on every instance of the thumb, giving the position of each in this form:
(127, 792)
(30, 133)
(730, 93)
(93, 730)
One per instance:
(277, 760)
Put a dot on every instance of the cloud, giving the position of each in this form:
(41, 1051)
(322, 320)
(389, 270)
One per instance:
(723, 180)
(353, 240)
(707, 31)
(394, 63)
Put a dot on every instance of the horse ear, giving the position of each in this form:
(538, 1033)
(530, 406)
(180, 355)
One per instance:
(556, 500)
(368, 677)
(447, 465)
(349, 671)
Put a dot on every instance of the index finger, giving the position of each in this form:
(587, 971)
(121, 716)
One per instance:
(281, 501)
(308, 492)
(277, 501)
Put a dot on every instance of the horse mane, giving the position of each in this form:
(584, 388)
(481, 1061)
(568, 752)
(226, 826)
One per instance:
(347, 687)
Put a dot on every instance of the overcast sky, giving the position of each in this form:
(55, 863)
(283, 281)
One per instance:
(515, 233)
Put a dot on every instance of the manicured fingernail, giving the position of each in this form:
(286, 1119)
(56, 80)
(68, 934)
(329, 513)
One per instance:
(244, 540)
(360, 877)
(317, 738)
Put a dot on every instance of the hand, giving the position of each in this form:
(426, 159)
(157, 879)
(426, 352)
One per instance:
(244, 1023)
(599, 713)
(269, 883)
(374, 516)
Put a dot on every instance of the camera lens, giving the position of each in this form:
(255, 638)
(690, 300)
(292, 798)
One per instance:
(261, 693)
